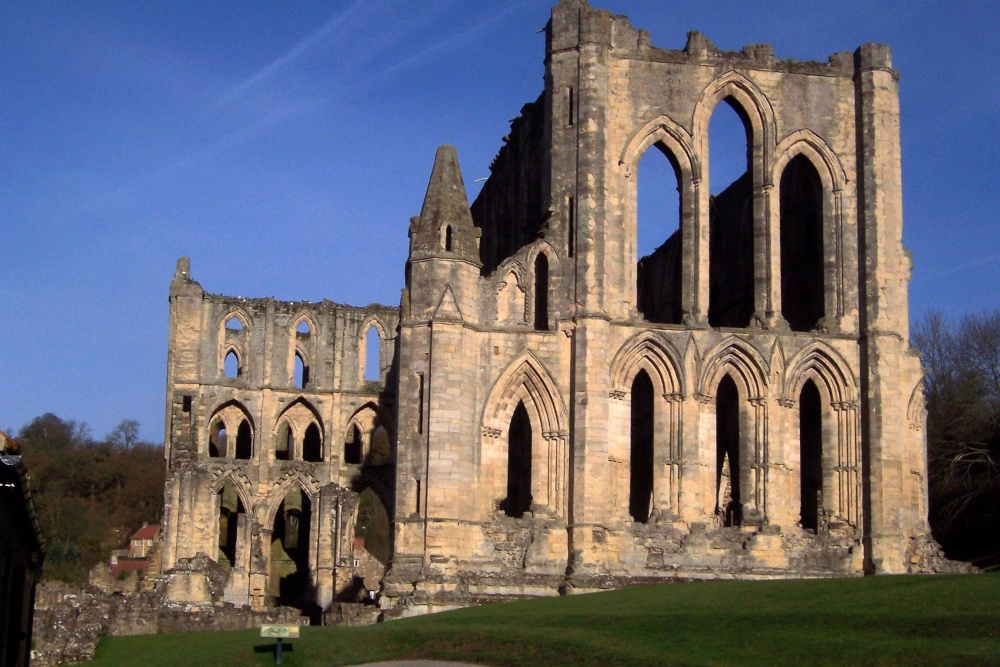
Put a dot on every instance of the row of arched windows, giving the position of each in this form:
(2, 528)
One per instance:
(369, 351)
(739, 272)
(820, 442)
(299, 436)
(730, 456)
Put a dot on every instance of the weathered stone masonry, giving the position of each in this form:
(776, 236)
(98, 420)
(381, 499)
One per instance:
(565, 415)
(266, 467)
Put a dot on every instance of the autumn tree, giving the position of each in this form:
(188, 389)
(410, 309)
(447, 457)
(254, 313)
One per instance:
(91, 495)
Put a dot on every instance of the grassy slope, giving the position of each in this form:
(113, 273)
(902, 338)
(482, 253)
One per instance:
(940, 621)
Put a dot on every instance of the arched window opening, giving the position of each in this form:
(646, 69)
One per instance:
(312, 445)
(728, 505)
(641, 460)
(658, 237)
(300, 375)
(801, 244)
(352, 445)
(244, 441)
(380, 454)
(811, 456)
(217, 440)
(234, 324)
(730, 241)
(372, 527)
(285, 443)
(231, 367)
(231, 516)
(373, 355)
(303, 328)
(541, 292)
(447, 238)
(289, 580)
(518, 499)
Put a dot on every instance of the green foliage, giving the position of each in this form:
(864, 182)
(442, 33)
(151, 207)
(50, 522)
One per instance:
(962, 389)
(939, 621)
(90, 495)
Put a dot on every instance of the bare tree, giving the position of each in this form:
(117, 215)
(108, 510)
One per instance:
(962, 389)
(125, 435)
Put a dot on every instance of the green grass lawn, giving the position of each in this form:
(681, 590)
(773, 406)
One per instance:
(914, 620)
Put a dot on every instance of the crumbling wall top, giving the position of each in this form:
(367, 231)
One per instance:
(575, 23)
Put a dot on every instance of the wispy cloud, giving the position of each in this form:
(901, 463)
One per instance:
(320, 38)
(442, 47)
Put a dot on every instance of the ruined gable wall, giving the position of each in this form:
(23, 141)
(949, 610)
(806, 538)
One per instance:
(265, 396)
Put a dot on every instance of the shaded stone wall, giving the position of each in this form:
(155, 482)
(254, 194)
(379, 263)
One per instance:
(509, 208)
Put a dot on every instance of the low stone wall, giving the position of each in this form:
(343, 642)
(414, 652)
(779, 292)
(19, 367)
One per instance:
(70, 621)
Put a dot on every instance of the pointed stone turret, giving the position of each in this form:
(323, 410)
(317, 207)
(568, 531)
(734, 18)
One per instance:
(444, 229)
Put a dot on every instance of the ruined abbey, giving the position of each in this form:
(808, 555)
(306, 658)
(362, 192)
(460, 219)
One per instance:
(553, 413)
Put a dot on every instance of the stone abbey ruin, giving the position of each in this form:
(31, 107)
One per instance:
(552, 413)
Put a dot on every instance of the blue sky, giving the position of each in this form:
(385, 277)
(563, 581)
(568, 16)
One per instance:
(284, 146)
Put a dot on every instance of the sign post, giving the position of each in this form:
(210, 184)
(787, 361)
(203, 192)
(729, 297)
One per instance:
(279, 632)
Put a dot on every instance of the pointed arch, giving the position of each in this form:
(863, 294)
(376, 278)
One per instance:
(363, 424)
(307, 318)
(651, 417)
(231, 412)
(239, 485)
(366, 356)
(753, 102)
(541, 247)
(231, 369)
(831, 370)
(662, 130)
(525, 379)
(295, 419)
(278, 493)
(233, 341)
(805, 144)
(542, 283)
(813, 147)
(752, 304)
(527, 386)
(836, 384)
(663, 287)
(240, 315)
(650, 352)
(739, 357)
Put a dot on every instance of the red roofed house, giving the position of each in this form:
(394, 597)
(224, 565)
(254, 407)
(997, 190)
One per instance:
(142, 541)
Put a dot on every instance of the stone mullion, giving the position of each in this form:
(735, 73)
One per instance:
(694, 311)
(837, 293)
(758, 465)
(771, 256)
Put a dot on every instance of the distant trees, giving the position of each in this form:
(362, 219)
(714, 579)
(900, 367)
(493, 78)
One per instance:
(962, 390)
(125, 434)
(91, 495)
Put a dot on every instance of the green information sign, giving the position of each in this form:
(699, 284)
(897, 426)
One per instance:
(280, 631)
